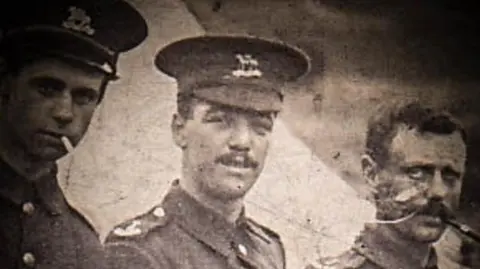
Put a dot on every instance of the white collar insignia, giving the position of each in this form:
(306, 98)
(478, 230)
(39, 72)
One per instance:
(130, 230)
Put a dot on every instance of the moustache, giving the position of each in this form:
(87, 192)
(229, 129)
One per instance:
(238, 160)
(433, 208)
(436, 208)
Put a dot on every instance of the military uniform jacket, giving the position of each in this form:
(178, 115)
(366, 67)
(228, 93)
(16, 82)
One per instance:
(38, 229)
(183, 234)
(375, 250)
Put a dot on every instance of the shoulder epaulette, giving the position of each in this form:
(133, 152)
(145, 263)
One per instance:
(262, 231)
(142, 224)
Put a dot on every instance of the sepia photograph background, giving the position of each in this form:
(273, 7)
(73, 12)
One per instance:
(311, 191)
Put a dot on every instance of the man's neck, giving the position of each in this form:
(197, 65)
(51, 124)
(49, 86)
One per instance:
(230, 209)
(17, 158)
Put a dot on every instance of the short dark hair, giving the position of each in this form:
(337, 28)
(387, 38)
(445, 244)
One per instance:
(383, 126)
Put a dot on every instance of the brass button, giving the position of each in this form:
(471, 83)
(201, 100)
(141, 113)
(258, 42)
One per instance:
(29, 259)
(159, 212)
(28, 208)
(242, 249)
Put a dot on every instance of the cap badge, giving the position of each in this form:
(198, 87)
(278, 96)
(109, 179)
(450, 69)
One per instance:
(78, 21)
(248, 67)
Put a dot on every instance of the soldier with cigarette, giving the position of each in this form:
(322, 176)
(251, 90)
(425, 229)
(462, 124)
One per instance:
(414, 165)
(57, 58)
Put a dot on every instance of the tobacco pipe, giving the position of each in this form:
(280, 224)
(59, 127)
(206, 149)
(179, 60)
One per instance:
(449, 219)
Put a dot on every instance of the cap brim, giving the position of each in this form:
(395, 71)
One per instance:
(57, 42)
(281, 62)
(242, 97)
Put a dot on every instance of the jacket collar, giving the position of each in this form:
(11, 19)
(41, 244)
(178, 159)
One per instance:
(201, 222)
(19, 190)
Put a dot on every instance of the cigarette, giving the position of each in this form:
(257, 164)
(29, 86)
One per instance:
(67, 144)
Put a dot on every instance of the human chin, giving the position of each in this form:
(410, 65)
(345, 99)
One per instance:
(232, 185)
(230, 191)
(427, 229)
(45, 148)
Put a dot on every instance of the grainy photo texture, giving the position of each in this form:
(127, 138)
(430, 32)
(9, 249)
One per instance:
(152, 134)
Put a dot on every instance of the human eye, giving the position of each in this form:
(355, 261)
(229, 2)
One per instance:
(418, 172)
(450, 176)
(47, 91)
(262, 127)
(262, 124)
(46, 87)
(216, 117)
(84, 96)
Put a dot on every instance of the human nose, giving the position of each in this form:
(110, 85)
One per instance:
(63, 109)
(241, 137)
(438, 188)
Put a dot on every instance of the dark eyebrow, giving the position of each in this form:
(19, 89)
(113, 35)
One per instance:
(264, 119)
(46, 80)
(259, 115)
(59, 84)
(450, 169)
(215, 109)
(414, 164)
(87, 90)
(408, 166)
(270, 116)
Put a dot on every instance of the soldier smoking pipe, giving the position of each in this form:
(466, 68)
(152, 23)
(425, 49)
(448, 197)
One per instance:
(463, 228)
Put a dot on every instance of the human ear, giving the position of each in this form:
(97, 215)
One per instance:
(178, 130)
(369, 170)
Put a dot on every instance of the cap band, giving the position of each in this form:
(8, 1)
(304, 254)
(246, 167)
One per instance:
(241, 96)
(246, 94)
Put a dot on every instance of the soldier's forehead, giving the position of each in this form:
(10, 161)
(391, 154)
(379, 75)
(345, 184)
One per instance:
(411, 145)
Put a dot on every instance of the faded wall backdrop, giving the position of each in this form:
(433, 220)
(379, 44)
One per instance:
(310, 191)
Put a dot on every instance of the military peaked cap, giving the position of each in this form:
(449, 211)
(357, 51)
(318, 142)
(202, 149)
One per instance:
(92, 32)
(241, 71)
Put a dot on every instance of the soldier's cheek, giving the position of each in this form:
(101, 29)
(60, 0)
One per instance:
(412, 195)
(412, 199)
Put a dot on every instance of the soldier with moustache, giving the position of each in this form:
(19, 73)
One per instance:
(57, 58)
(230, 92)
(414, 164)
